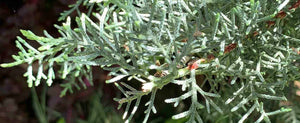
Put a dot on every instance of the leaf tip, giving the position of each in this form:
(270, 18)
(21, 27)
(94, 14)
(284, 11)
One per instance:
(4, 65)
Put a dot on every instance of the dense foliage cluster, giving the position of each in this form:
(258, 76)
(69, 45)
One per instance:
(233, 59)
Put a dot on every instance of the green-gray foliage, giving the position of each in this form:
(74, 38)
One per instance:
(129, 37)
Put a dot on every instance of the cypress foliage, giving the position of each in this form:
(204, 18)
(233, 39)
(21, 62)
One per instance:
(246, 51)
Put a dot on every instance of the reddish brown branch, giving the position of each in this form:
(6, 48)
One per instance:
(282, 14)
